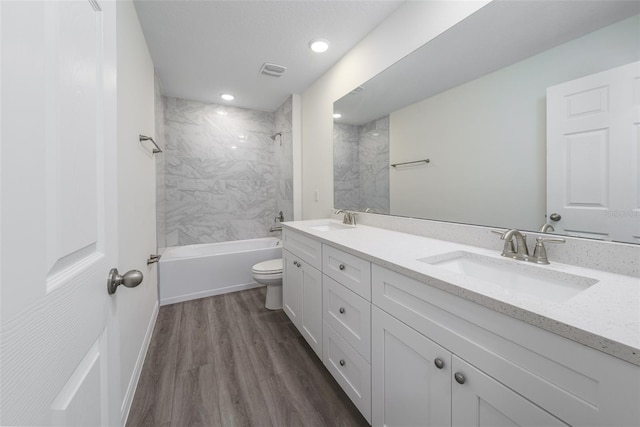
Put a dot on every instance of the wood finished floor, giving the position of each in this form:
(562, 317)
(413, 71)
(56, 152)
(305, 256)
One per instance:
(228, 361)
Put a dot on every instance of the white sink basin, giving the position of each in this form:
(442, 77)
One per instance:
(330, 226)
(516, 277)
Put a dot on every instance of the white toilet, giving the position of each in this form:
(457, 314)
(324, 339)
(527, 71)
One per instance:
(270, 273)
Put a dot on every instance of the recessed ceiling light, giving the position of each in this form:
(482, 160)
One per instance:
(337, 115)
(319, 45)
(227, 96)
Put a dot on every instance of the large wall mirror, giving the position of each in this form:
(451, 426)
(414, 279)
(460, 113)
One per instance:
(525, 113)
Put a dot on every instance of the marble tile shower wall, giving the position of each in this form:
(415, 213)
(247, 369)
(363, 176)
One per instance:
(346, 167)
(361, 166)
(283, 148)
(373, 151)
(221, 173)
(159, 137)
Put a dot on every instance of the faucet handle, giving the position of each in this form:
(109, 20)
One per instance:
(540, 252)
(550, 239)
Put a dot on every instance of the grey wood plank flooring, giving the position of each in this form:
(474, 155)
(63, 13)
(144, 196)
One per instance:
(228, 361)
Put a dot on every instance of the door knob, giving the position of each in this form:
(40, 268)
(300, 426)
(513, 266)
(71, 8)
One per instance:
(130, 279)
(555, 217)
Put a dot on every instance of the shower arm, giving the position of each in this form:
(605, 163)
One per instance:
(273, 137)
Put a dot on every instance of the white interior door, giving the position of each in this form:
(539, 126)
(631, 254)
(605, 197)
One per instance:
(59, 346)
(592, 155)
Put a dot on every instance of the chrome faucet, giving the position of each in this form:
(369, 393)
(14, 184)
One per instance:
(349, 217)
(520, 251)
(515, 246)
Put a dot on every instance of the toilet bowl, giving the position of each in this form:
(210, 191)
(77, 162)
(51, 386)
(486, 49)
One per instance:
(270, 273)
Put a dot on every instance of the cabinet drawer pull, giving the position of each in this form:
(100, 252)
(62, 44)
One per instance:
(460, 379)
(439, 363)
(342, 362)
(341, 267)
(341, 310)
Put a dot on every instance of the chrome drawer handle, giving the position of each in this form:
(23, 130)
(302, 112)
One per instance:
(342, 362)
(341, 267)
(439, 363)
(341, 310)
(460, 379)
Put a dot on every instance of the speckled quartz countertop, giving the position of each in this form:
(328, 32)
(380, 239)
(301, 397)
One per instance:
(605, 316)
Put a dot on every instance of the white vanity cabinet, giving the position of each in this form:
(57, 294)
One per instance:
(302, 286)
(409, 354)
(512, 373)
(419, 383)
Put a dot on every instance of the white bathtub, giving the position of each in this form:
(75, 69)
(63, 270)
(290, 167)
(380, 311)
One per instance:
(198, 271)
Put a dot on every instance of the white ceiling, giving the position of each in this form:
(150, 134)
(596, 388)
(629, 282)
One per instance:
(203, 48)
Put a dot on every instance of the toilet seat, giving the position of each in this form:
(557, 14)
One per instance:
(272, 266)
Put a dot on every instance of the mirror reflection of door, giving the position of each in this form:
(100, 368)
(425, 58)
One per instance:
(592, 155)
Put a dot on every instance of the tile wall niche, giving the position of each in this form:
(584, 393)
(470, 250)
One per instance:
(361, 166)
(224, 177)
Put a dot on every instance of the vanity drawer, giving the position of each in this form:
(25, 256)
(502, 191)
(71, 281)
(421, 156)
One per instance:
(349, 314)
(304, 247)
(349, 270)
(350, 370)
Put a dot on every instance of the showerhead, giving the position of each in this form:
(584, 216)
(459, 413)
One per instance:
(276, 134)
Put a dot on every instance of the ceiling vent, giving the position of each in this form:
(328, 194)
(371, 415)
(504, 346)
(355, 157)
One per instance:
(273, 70)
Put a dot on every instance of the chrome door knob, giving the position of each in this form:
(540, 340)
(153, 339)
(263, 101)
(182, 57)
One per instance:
(341, 310)
(555, 217)
(342, 362)
(130, 279)
(341, 266)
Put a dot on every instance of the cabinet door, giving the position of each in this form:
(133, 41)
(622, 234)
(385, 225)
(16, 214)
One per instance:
(292, 288)
(311, 281)
(408, 388)
(479, 400)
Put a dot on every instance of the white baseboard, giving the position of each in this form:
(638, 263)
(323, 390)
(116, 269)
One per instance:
(135, 377)
(209, 293)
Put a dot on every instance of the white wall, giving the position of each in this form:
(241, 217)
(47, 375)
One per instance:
(408, 28)
(136, 307)
(493, 128)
